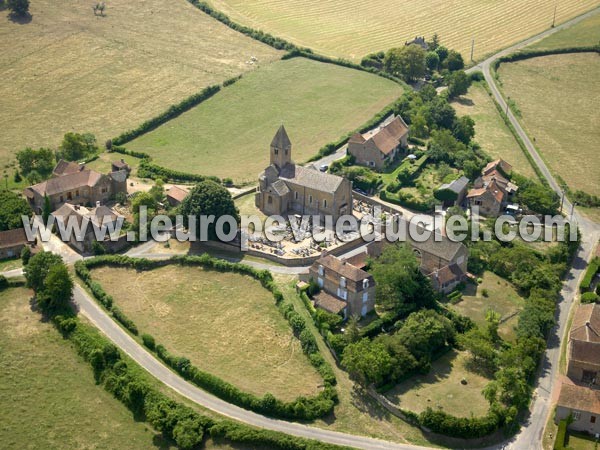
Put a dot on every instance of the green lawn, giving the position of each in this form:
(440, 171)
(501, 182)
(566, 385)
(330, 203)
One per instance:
(580, 441)
(586, 32)
(48, 397)
(501, 297)
(442, 389)
(226, 324)
(490, 130)
(564, 122)
(229, 135)
(10, 264)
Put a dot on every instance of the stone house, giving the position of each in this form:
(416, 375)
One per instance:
(380, 147)
(84, 187)
(502, 166)
(120, 165)
(420, 41)
(344, 288)
(458, 187)
(285, 187)
(582, 404)
(103, 218)
(12, 242)
(175, 195)
(492, 191)
(67, 167)
(584, 346)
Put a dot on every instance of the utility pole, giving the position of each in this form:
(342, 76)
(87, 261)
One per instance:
(472, 49)
(554, 18)
(572, 209)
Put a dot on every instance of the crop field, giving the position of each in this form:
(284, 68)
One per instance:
(48, 397)
(225, 323)
(442, 389)
(496, 294)
(586, 32)
(229, 134)
(68, 70)
(351, 29)
(490, 130)
(564, 123)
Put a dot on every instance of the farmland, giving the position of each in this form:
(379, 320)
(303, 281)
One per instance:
(229, 134)
(68, 70)
(226, 324)
(48, 397)
(490, 130)
(586, 32)
(353, 29)
(564, 125)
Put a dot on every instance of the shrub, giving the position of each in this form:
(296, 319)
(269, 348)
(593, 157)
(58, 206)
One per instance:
(124, 320)
(590, 297)
(149, 341)
(485, 293)
(3, 282)
(590, 273)
(561, 435)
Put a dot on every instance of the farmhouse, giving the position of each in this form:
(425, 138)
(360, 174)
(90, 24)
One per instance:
(455, 192)
(584, 346)
(344, 287)
(120, 165)
(492, 190)
(83, 187)
(286, 187)
(379, 147)
(12, 242)
(420, 41)
(66, 168)
(582, 404)
(101, 218)
(175, 195)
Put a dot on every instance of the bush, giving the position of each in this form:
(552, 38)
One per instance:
(590, 273)
(149, 341)
(124, 320)
(459, 427)
(590, 297)
(561, 435)
(3, 282)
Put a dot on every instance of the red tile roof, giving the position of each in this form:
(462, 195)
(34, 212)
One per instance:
(579, 398)
(11, 238)
(177, 193)
(329, 303)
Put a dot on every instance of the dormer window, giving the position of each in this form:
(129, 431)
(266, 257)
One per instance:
(276, 151)
(365, 284)
(321, 270)
(343, 282)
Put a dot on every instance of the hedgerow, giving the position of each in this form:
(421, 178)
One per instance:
(300, 409)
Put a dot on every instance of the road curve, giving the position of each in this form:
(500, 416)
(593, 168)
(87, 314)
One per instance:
(88, 307)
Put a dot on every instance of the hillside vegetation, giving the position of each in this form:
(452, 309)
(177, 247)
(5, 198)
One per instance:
(351, 29)
(68, 70)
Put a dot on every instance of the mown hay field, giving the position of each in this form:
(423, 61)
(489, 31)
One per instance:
(229, 134)
(48, 396)
(491, 132)
(226, 324)
(353, 28)
(558, 98)
(586, 32)
(68, 70)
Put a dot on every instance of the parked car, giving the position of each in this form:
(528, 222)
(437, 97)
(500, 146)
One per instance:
(324, 168)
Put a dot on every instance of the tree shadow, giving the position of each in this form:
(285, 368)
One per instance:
(464, 101)
(3, 5)
(20, 19)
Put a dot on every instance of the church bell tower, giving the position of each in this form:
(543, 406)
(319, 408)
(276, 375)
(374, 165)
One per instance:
(281, 148)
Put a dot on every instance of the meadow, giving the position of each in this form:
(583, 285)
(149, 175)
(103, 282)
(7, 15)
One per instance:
(564, 123)
(586, 32)
(68, 70)
(351, 29)
(494, 293)
(441, 388)
(490, 130)
(48, 397)
(226, 324)
(229, 134)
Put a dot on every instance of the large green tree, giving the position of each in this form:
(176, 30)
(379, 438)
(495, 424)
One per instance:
(38, 268)
(75, 146)
(12, 207)
(57, 289)
(401, 287)
(209, 198)
(40, 161)
(368, 362)
(19, 7)
(458, 83)
(407, 62)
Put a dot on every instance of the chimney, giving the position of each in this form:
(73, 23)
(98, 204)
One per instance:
(97, 204)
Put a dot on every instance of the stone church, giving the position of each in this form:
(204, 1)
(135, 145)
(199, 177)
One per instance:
(286, 188)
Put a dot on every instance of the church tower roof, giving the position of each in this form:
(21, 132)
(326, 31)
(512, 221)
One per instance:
(281, 139)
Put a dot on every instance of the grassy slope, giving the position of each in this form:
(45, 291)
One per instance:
(351, 29)
(48, 398)
(490, 130)
(441, 388)
(586, 32)
(502, 298)
(227, 324)
(564, 121)
(68, 70)
(229, 135)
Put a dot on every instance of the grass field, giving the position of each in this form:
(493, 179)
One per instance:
(441, 388)
(229, 135)
(351, 29)
(225, 323)
(586, 32)
(48, 397)
(502, 298)
(490, 130)
(68, 70)
(564, 123)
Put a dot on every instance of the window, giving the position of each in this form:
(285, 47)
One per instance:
(365, 297)
(576, 415)
(104, 190)
(296, 195)
(276, 151)
(61, 199)
(342, 293)
(69, 196)
(320, 282)
(321, 269)
(270, 200)
(310, 199)
(343, 282)
(593, 419)
(77, 193)
(324, 203)
(365, 284)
